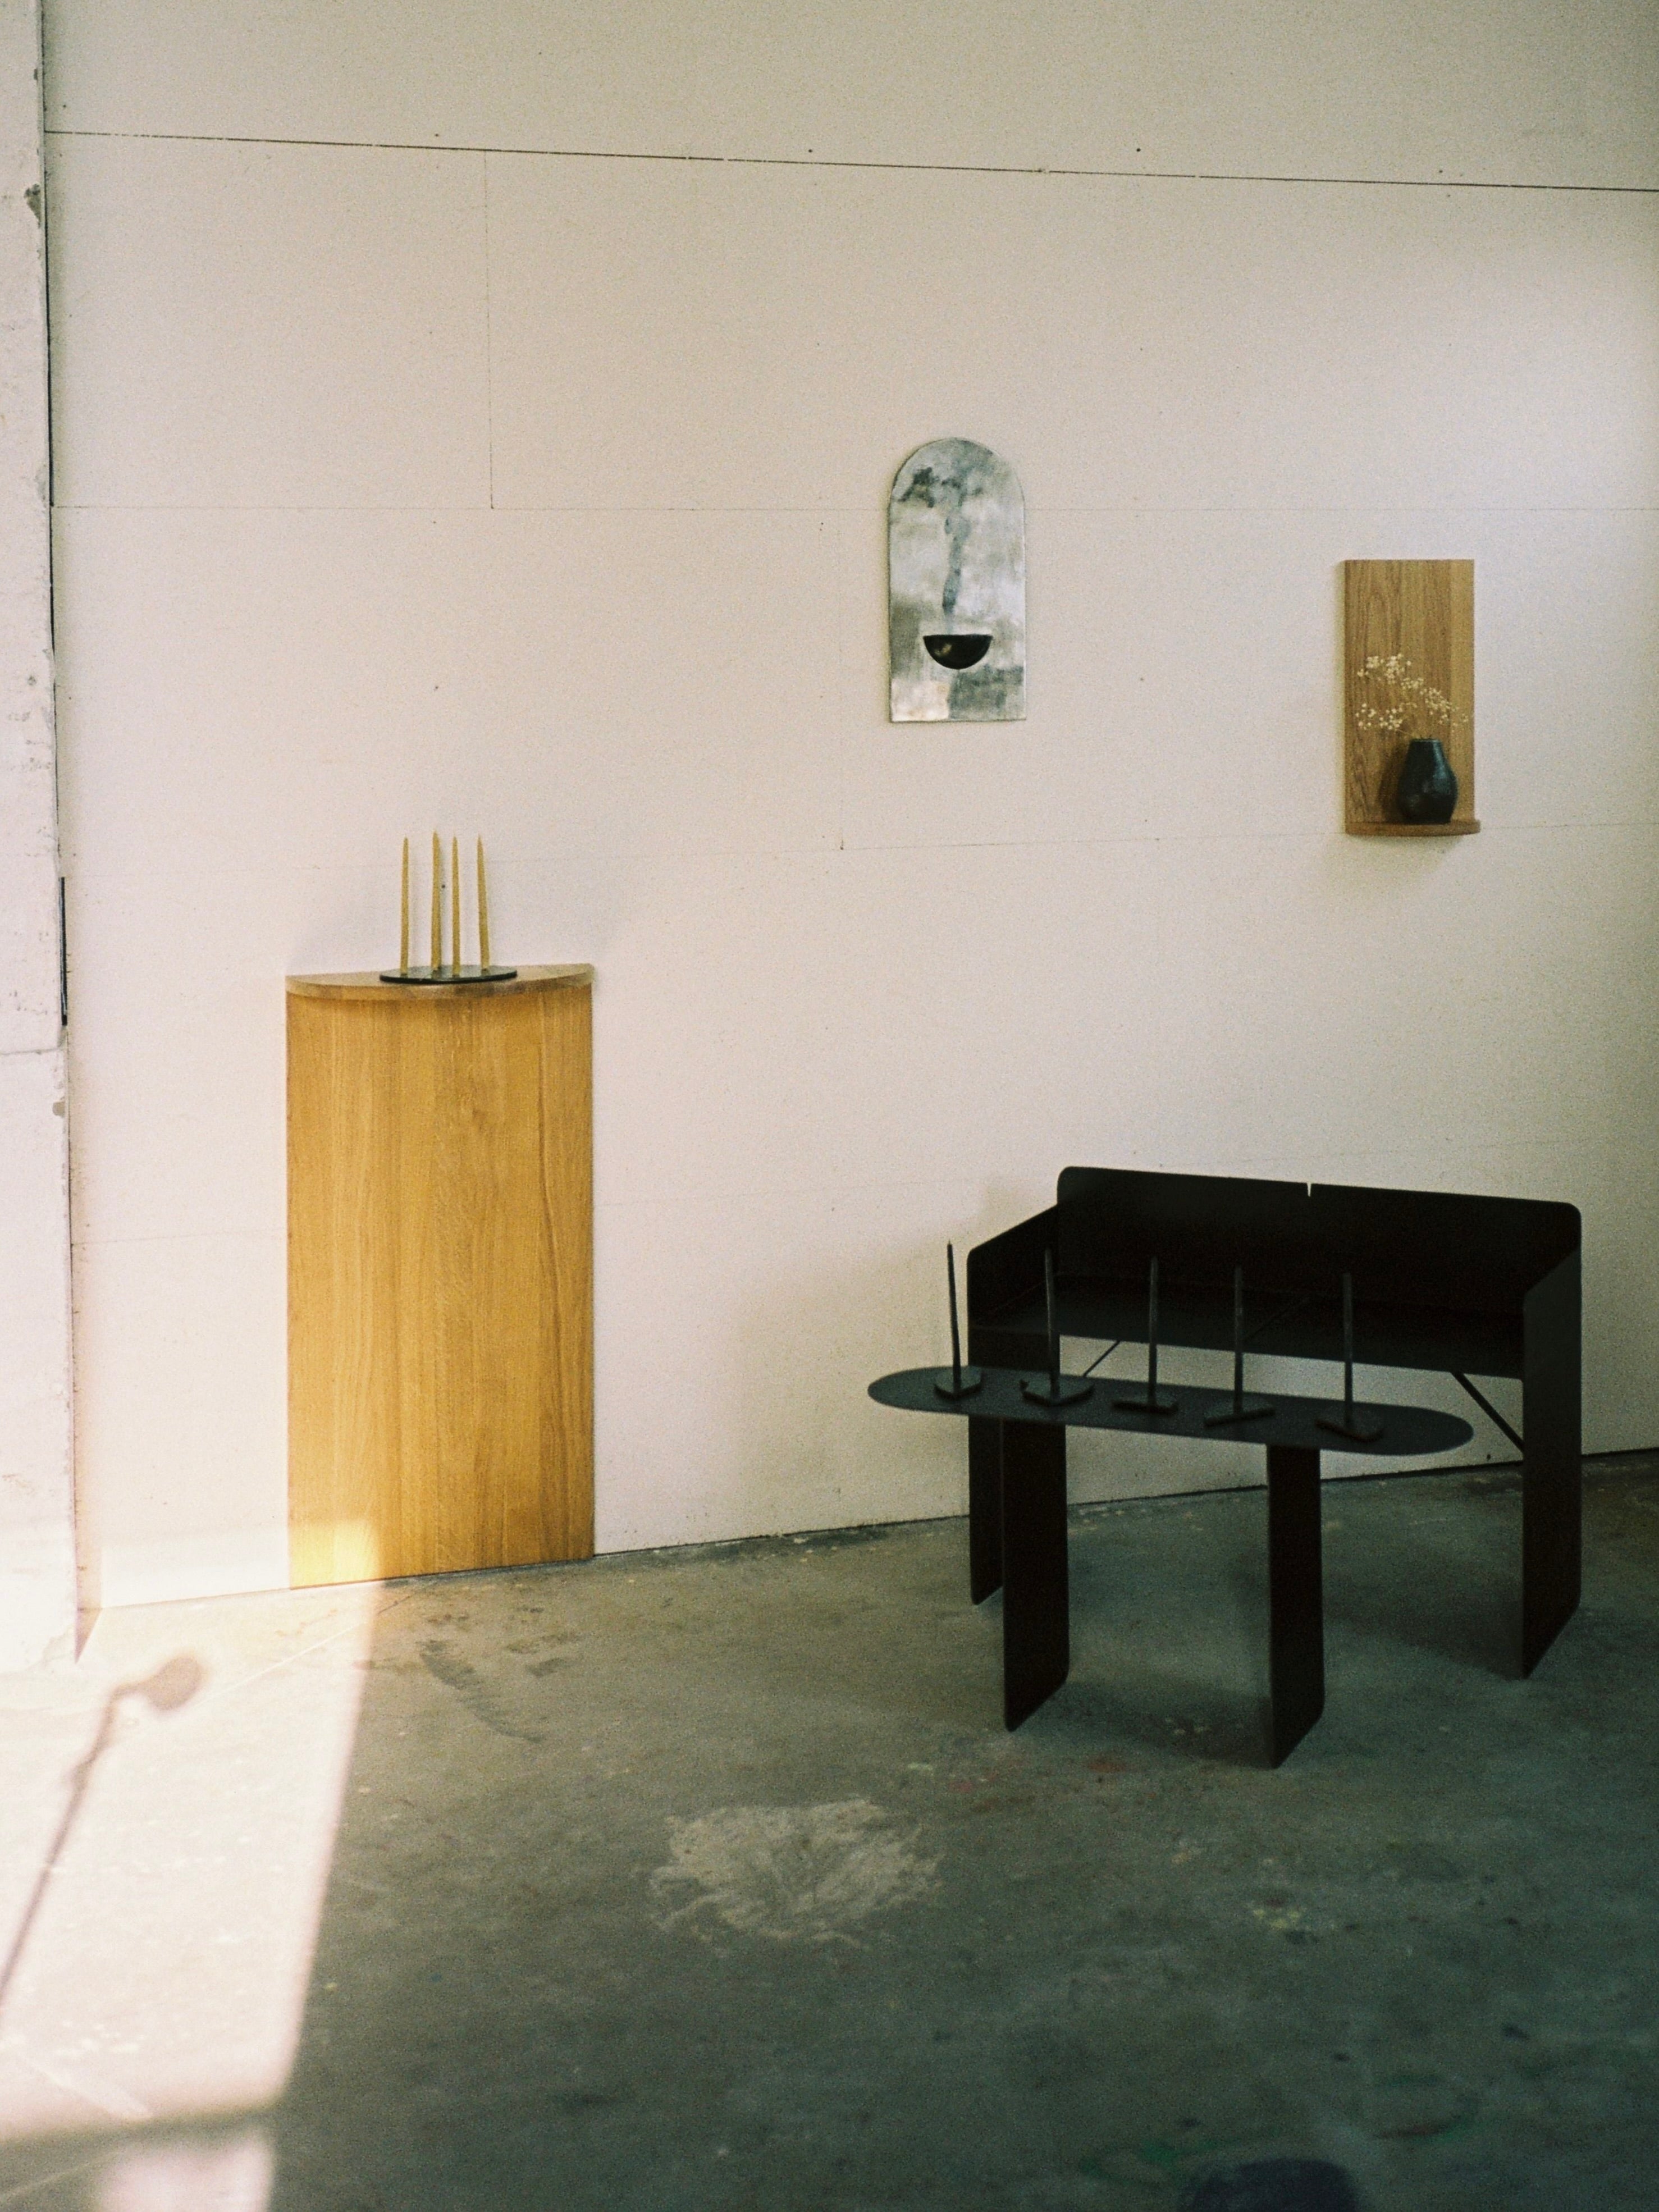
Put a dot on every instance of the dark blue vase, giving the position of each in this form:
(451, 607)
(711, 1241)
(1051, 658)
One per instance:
(1427, 789)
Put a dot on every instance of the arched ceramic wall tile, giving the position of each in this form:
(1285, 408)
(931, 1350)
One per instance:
(956, 568)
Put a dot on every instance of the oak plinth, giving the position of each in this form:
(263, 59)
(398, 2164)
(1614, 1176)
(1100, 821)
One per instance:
(441, 1331)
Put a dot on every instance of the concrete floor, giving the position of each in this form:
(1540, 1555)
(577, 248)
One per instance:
(709, 1880)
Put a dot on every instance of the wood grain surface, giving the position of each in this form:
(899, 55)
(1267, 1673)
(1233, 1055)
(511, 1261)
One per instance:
(1425, 610)
(440, 1399)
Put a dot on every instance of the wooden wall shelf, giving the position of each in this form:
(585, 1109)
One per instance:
(441, 1331)
(1425, 610)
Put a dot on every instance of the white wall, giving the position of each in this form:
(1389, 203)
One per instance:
(37, 1518)
(405, 481)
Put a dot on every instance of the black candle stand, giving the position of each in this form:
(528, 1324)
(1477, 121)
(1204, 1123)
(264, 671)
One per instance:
(1240, 1408)
(447, 974)
(1353, 1425)
(1149, 1400)
(1030, 1440)
(958, 1382)
(1054, 1389)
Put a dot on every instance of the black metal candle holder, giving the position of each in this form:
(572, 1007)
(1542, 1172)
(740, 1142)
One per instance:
(961, 1382)
(1351, 1425)
(1148, 1401)
(1055, 1388)
(447, 974)
(1243, 1409)
(456, 971)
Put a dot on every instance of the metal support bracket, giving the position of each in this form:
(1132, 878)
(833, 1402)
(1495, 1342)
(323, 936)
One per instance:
(1488, 1408)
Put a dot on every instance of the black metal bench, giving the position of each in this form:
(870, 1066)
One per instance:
(1459, 1285)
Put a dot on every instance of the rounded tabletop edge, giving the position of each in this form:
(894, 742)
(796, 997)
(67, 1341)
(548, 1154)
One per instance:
(575, 976)
(1409, 1431)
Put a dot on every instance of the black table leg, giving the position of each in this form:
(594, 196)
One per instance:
(1552, 1483)
(984, 1508)
(1296, 1633)
(1037, 1629)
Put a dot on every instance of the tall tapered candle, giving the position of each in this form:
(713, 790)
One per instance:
(402, 934)
(455, 902)
(483, 912)
(437, 909)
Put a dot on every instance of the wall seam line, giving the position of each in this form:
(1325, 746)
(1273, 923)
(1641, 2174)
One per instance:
(490, 344)
(910, 168)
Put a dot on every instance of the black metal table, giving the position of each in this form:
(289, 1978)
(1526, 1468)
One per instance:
(1450, 1282)
(1037, 1642)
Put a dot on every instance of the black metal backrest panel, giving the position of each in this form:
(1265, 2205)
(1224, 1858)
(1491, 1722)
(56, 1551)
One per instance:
(1199, 1228)
(1007, 1270)
(1434, 1249)
(1443, 1248)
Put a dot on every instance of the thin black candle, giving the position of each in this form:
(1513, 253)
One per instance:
(963, 1381)
(1056, 1389)
(956, 1333)
(1242, 1408)
(1150, 1402)
(1361, 1431)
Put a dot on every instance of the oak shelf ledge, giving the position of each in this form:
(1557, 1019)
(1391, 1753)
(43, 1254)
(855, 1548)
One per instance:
(370, 985)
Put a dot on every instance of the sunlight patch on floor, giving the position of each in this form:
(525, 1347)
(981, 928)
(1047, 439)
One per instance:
(228, 2177)
(165, 1845)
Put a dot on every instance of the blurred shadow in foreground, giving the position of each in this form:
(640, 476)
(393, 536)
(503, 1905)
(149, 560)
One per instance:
(174, 1683)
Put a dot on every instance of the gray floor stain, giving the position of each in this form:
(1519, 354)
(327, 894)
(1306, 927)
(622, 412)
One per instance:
(810, 1872)
(481, 1700)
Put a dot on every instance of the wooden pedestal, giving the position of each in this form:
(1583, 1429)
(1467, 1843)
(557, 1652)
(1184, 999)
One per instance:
(441, 1331)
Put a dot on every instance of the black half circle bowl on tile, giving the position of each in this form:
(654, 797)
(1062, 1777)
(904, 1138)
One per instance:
(963, 648)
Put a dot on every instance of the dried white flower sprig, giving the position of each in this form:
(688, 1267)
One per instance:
(1404, 701)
